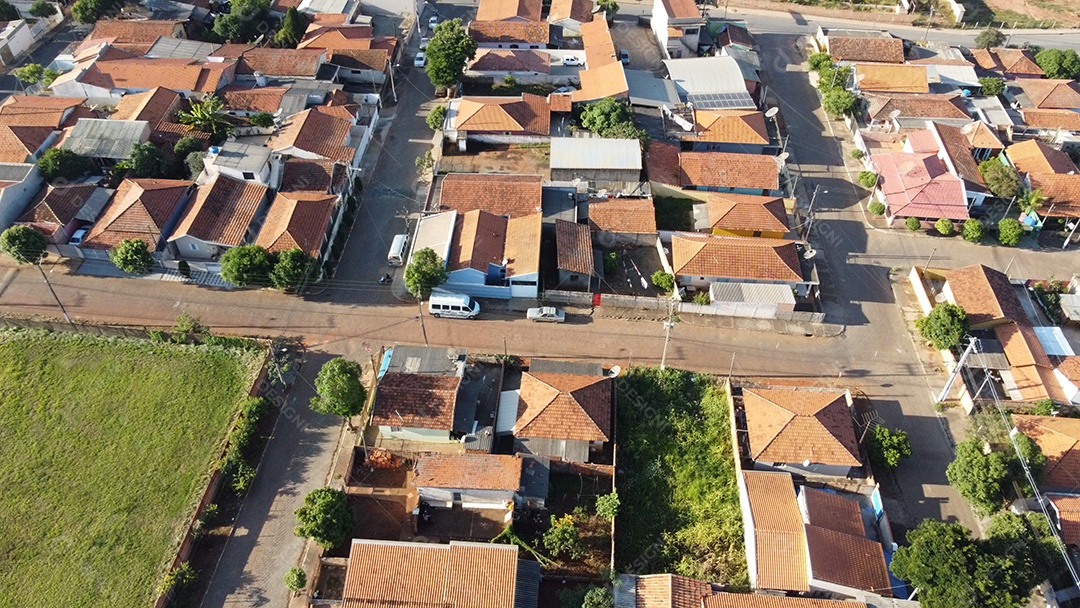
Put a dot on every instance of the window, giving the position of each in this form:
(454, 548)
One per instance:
(193, 246)
(395, 429)
(523, 282)
(249, 175)
(757, 233)
(690, 31)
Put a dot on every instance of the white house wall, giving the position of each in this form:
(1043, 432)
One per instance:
(415, 434)
(470, 498)
(191, 247)
(15, 198)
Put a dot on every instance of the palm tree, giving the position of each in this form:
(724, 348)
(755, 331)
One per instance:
(610, 7)
(1030, 200)
(208, 116)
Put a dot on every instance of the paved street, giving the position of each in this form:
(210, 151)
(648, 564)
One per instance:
(44, 54)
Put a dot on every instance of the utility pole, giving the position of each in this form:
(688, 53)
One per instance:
(929, 22)
(420, 310)
(53, 292)
(956, 372)
(668, 324)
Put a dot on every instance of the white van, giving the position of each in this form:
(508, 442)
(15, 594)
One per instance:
(453, 305)
(396, 257)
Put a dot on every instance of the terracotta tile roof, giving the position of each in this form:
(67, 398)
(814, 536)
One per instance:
(168, 133)
(731, 126)
(729, 170)
(1062, 192)
(575, 10)
(527, 114)
(662, 163)
(746, 212)
(319, 130)
(54, 206)
(530, 32)
(468, 471)
(360, 59)
(281, 6)
(596, 38)
(153, 106)
(500, 10)
(137, 31)
(281, 62)
(623, 215)
(607, 80)
(792, 425)
(750, 600)
(880, 107)
(18, 143)
(681, 9)
(879, 50)
(382, 574)
(561, 102)
(1033, 156)
(564, 406)
(981, 136)
(1070, 368)
(1022, 346)
(421, 401)
(1051, 94)
(670, 591)
(892, 78)
(298, 219)
(503, 60)
(985, 294)
(733, 34)
(522, 251)
(781, 554)
(1008, 62)
(573, 244)
(479, 240)
(920, 185)
(921, 141)
(1068, 511)
(1067, 120)
(222, 211)
(961, 154)
(1058, 438)
(252, 98)
(852, 561)
(35, 111)
(511, 195)
(140, 209)
(831, 511)
(304, 174)
(1035, 383)
(232, 50)
(736, 258)
(333, 36)
(143, 73)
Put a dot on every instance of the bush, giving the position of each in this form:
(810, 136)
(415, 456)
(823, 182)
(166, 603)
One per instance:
(868, 179)
(325, 518)
(295, 579)
(992, 86)
(944, 327)
(42, 9)
(241, 476)
(563, 538)
(607, 506)
(598, 597)
(973, 230)
(24, 244)
(913, 223)
(190, 327)
(1009, 232)
(194, 164)
(701, 297)
(1044, 407)
(611, 262)
(887, 446)
(263, 120)
(876, 207)
(989, 38)
(857, 154)
(664, 281)
(177, 579)
(132, 256)
(944, 226)
(436, 117)
(247, 265)
(819, 60)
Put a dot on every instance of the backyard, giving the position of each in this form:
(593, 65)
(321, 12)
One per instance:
(105, 448)
(674, 213)
(680, 510)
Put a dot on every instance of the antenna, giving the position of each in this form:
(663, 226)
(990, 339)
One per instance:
(772, 112)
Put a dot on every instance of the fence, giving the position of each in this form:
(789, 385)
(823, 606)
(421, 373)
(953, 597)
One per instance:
(716, 309)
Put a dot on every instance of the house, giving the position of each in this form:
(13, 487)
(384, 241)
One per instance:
(570, 15)
(362, 66)
(136, 36)
(510, 34)
(415, 406)
(982, 140)
(495, 257)
(518, 11)
(618, 222)
(247, 98)
(497, 64)
(1062, 192)
(1030, 376)
(843, 559)
(1051, 122)
(1034, 156)
(504, 120)
(146, 209)
(465, 575)
(105, 140)
(735, 36)
(178, 48)
(776, 551)
(320, 175)
(219, 218)
(24, 144)
(40, 111)
(920, 186)
(334, 132)
(985, 294)
(742, 215)
(482, 481)
(800, 430)
(697, 261)
(58, 211)
(19, 182)
(574, 256)
(245, 162)
(1010, 64)
(953, 148)
(1058, 439)
(712, 83)
(110, 74)
(741, 131)
(1066, 509)
(506, 195)
(946, 68)
(885, 78)
(865, 46)
(300, 220)
(604, 163)
(677, 25)
(16, 38)
(563, 416)
(695, 174)
(1067, 373)
(663, 591)
(251, 63)
(604, 75)
(898, 110)
(154, 106)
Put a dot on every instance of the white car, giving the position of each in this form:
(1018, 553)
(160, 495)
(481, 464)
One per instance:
(564, 90)
(423, 43)
(77, 238)
(572, 61)
(420, 60)
(546, 314)
(431, 23)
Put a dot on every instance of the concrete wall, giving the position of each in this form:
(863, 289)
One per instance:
(191, 247)
(15, 198)
(17, 42)
(469, 498)
(415, 434)
(598, 177)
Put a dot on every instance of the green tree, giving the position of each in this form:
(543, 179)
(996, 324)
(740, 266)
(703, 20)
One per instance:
(598, 597)
(263, 120)
(887, 446)
(1002, 180)
(247, 265)
(30, 73)
(1059, 64)
(293, 268)
(292, 29)
(132, 256)
(1026, 538)
(604, 115)
(185, 146)
(295, 579)
(610, 8)
(8, 12)
(838, 102)
(436, 117)
(944, 327)
(973, 230)
(979, 477)
(48, 76)
(245, 21)
(913, 223)
(992, 86)
(664, 281)
(426, 272)
(944, 226)
(325, 517)
(834, 78)
(989, 38)
(607, 506)
(24, 244)
(868, 179)
(89, 11)
(208, 116)
(876, 207)
(940, 560)
(42, 9)
(194, 164)
(1009, 232)
(1030, 201)
(450, 49)
(58, 163)
(340, 391)
(147, 160)
(564, 538)
(817, 61)
(1033, 456)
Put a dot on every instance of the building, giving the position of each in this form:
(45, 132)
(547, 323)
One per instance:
(244, 162)
(1058, 438)
(1045, 94)
(301, 220)
(136, 36)
(106, 141)
(524, 119)
(332, 132)
(677, 25)
(497, 64)
(603, 75)
(885, 78)
(613, 164)
(40, 111)
(570, 15)
(741, 131)
(220, 217)
(500, 194)
(864, 46)
(713, 83)
(106, 75)
(574, 256)
(986, 295)
(494, 257)
(482, 481)
(16, 38)
(416, 406)
(698, 261)
(617, 222)
(742, 215)
(919, 185)
(146, 209)
(696, 174)
(20, 144)
(19, 182)
(564, 416)
(1034, 156)
(662, 591)
(1007, 63)
(58, 211)
(897, 111)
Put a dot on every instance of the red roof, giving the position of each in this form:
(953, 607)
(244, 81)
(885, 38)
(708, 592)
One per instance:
(298, 220)
(920, 185)
(140, 209)
(222, 211)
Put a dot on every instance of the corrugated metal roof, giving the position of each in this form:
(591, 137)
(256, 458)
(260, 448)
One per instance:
(507, 416)
(180, 48)
(1070, 305)
(705, 75)
(648, 90)
(435, 231)
(104, 138)
(1053, 341)
(957, 75)
(751, 293)
(595, 153)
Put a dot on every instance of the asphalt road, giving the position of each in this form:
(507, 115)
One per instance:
(44, 54)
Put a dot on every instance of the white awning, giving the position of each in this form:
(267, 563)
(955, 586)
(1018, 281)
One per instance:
(508, 410)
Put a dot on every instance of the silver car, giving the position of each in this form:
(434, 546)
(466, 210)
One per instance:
(548, 314)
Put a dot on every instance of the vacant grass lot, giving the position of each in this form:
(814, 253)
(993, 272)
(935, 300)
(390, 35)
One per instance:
(105, 446)
(676, 479)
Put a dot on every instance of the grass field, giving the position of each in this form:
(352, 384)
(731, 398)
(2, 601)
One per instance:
(105, 445)
(680, 503)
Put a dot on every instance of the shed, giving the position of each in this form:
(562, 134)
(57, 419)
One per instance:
(604, 163)
(106, 139)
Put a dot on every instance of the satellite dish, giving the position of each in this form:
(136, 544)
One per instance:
(772, 112)
(810, 253)
(859, 77)
(614, 371)
(806, 463)
(784, 156)
(894, 114)
(939, 298)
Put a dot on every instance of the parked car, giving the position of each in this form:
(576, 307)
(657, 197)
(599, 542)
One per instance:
(547, 314)
(77, 238)
(423, 43)
(624, 56)
(564, 90)
(572, 60)
(420, 60)
(433, 22)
